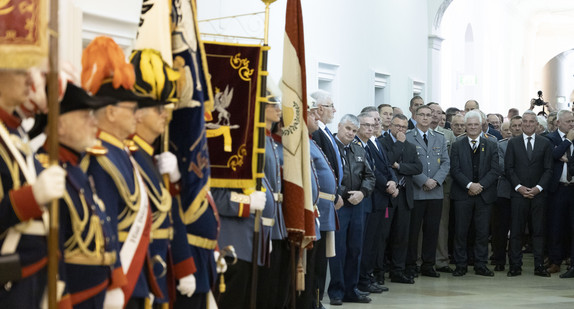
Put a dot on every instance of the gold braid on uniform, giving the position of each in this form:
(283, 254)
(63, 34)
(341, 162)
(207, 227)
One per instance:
(12, 168)
(132, 201)
(78, 246)
(161, 200)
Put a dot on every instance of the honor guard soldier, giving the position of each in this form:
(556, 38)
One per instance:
(324, 198)
(89, 240)
(168, 234)
(273, 291)
(23, 199)
(237, 209)
(118, 183)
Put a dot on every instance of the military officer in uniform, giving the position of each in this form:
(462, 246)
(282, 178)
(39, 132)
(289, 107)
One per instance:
(168, 236)
(23, 197)
(428, 194)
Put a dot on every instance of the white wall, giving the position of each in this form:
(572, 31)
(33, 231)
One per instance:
(360, 38)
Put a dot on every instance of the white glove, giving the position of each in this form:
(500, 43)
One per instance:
(114, 299)
(186, 285)
(50, 185)
(257, 201)
(167, 164)
(220, 265)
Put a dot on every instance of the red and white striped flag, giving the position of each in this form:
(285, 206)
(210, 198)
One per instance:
(297, 204)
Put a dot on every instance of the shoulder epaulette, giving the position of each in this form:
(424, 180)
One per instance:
(486, 135)
(97, 150)
(44, 159)
(132, 146)
(441, 133)
(356, 142)
(504, 139)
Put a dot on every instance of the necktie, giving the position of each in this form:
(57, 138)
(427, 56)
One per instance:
(339, 167)
(369, 155)
(473, 146)
(529, 148)
(425, 139)
(569, 156)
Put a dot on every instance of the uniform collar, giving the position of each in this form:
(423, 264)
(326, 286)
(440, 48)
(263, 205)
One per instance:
(9, 120)
(66, 154)
(143, 145)
(106, 137)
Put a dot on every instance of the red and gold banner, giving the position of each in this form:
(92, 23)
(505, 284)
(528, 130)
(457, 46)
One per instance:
(297, 205)
(231, 134)
(23, 33)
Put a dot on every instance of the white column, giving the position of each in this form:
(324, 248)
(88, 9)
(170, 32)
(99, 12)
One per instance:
(434, 72)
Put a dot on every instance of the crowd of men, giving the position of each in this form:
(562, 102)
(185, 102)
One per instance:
(435, 189)
(392, 195)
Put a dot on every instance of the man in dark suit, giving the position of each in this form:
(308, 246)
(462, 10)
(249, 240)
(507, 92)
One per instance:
(529, 169)
(403, 159)
(416, 101)
(474, 168)
(561, 201)
(376, 225)
(325, 140)
(428, 193)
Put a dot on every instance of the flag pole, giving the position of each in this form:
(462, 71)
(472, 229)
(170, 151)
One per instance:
(165, 139)
(53, 112)
(260, 156)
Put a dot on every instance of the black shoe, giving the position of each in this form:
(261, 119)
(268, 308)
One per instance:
(411, 273)
(372, 288)
(499, 267)
(483, 271)
(445, 269)
(430, 272)
(336, 302)
(382, 287)
(513, 272)
(541, 271)
(459, 271)
(568, 274)
(359, 299)
(362, 292)
(402, 278)
(321, 306)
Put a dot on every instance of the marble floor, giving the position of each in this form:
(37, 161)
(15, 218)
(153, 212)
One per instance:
(472, 291)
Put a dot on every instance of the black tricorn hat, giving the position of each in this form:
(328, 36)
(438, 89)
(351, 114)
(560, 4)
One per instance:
(76, 98)
(119, 94)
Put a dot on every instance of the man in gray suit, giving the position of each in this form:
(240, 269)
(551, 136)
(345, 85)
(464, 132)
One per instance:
(427, 192)
(474, 168)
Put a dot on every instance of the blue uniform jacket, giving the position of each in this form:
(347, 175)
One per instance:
(165, 245)
(328, 185)
(113, 176)
(88, 238)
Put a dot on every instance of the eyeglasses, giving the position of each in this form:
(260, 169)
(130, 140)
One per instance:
(425, 115)
(328, 105)
(400, 127)
(368, 125)
(133, 109)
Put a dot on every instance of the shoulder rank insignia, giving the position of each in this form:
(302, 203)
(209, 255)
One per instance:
(97, 149)
(132, 147)
(44, 159)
